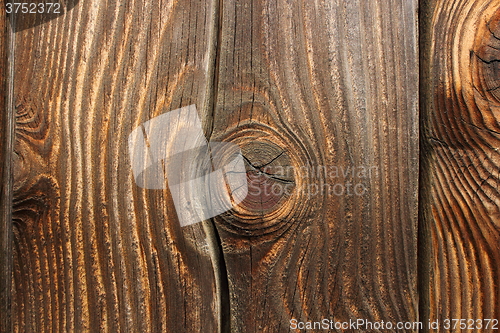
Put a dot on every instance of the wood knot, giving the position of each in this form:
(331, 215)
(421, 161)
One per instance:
(486, 64)
(270, 177)
(33, 201)
(485, 71)
(273, 201)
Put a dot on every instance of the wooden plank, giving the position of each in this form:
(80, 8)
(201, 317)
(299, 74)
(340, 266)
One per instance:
(304, 85)
(460, 161)
(6, 149)
(93, 251)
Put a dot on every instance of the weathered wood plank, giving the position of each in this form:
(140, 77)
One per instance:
(93, 251)
(312, 84)
(6, 149)
(460, 160)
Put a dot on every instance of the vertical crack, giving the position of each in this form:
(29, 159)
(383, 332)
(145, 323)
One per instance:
(424, 178)
(224, 297)
(213, 237)
(216, 54)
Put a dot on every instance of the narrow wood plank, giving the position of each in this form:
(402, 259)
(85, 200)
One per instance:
(93, 251)
(460, 161)
(304, 85)
(6, 149)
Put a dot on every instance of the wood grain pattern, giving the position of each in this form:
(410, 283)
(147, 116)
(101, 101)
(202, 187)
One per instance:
(94, 252)
(6, 141)
(299, 85)
(306, 84)
(460, 160)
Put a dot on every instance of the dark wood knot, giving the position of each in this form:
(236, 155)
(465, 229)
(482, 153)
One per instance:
(273, 202)
(270, 177)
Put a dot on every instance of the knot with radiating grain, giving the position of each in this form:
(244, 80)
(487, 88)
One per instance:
(274, 201)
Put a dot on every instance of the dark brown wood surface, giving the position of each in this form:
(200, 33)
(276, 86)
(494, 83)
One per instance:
(93, 251)
(320, 84)
(460, 204)
(321, 96)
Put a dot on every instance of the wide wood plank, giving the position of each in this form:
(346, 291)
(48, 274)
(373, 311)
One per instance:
(93, 251)
(460, 161)
(322, 97)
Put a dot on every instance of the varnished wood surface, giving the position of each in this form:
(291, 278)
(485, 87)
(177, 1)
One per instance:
(460, 160)
(93, 251)
(320, 83)
(295, 83)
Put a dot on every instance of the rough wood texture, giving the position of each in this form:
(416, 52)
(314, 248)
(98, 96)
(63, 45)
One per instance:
(320, 83)
(6, 139)
(300, 85)
(460, 160)
(94, 252)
